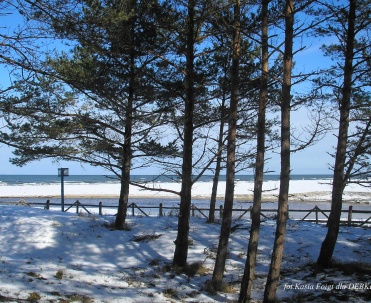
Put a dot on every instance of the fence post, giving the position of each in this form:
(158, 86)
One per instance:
(132, 209)
(350, 213)
(193, 210)
(160, 210)
(77, 206)
(221, 211)
(100, 208)
(316, 214)
(47, 205)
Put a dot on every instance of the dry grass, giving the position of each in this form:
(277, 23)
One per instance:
(190, 270)
(146, 237)
(195, 268)
(224, 287)
(79, 298)
(170, 293)
(59, 274)
(33, 297)
(352, 268)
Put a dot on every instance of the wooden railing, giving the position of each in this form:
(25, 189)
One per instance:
(320, 215)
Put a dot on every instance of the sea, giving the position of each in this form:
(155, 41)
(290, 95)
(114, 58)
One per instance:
(91, 179)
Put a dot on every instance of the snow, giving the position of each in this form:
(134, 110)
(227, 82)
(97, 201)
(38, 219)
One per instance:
(65, 256)
(300, 190)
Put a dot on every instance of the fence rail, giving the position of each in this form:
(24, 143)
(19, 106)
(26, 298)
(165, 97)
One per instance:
(317, 215)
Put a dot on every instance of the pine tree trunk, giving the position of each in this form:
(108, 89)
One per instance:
(249, 272)
(124, 195)
(221, 257)
(126, 149)
(275, 266)
(328, 245)
(126, 165)
(181, 242)
(214, 190)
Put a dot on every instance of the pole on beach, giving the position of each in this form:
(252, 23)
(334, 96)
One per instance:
(62, 172)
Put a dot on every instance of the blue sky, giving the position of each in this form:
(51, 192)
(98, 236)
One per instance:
(314, 160)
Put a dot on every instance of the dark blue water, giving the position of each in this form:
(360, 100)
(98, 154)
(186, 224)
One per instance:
(91, 179)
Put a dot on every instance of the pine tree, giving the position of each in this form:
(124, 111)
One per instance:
(282, 214)
(84, 105)
(249, 272)
(349, 24)
(231, 148)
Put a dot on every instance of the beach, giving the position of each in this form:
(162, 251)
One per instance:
(308, 190)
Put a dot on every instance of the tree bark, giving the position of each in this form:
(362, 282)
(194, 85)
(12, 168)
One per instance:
(231, 148)
(124, 188)
(214, 190)
(126, 164)
(249, 272)
(181, 242)
(328, 245)
(275, 266)
(126, 149)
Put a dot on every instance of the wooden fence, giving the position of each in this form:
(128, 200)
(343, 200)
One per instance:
(352, 217)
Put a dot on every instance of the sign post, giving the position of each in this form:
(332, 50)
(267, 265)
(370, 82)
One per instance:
(62, 172)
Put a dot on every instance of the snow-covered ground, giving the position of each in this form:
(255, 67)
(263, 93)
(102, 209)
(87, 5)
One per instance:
(52, 256)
